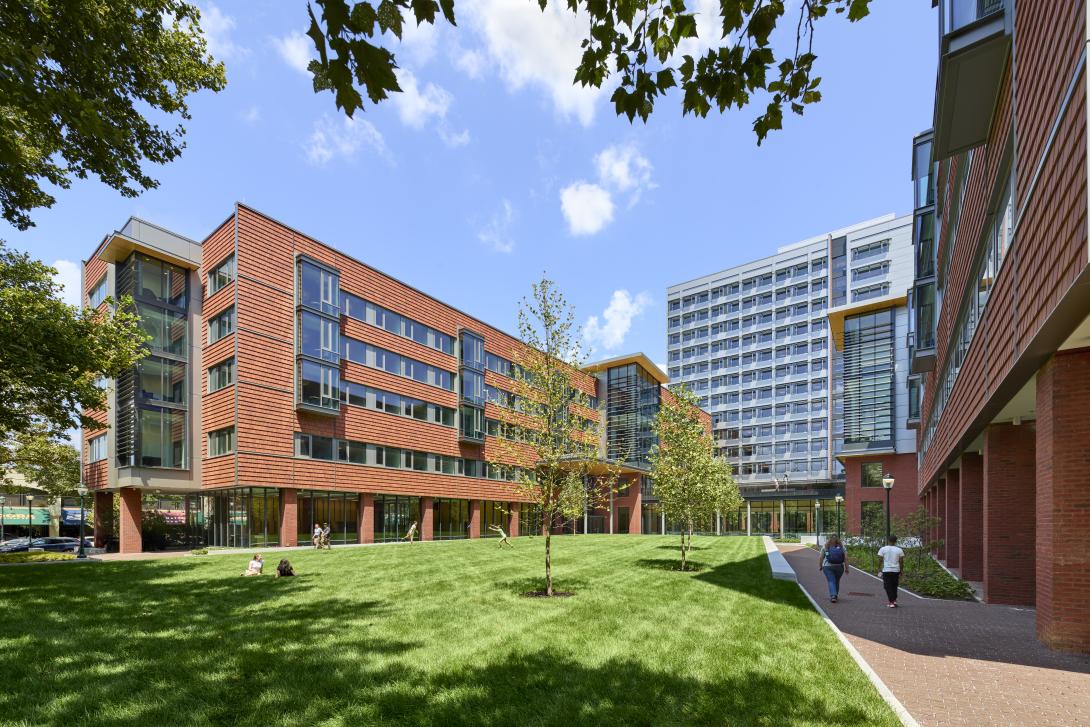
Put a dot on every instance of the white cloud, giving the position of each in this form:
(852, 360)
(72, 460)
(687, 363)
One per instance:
(453, 138)
(69, 276)
(623, 167)
(609, 331)
(295, 50)
(471, 63)
(709, 30)
(251, 115)
(343, 139)
(217, 28)
(531, 48)
(418, 42)
(587, 207)
(497, 233)
(415, 106)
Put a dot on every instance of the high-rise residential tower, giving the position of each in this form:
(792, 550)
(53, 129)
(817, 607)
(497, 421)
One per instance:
(798, 357)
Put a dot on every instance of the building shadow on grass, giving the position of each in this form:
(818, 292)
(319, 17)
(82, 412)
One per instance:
(752, 576)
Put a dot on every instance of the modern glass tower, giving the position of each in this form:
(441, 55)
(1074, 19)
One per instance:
(795, 355)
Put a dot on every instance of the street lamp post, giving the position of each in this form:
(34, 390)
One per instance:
(839, 501)
(817, 519)
(887, 484)
(82, 490)
(29, 522)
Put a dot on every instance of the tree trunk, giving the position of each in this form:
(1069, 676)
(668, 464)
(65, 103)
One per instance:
(684, 552)
(548, 564)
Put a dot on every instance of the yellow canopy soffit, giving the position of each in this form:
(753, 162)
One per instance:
(837, 315)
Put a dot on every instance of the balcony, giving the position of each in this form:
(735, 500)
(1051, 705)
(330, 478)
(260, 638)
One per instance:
(974, 40)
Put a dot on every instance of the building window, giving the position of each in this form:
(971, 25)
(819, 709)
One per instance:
(319, 336)
(472, 351)
(868, 380)
(318, 288)
(319, 385)
(97, 294)
(162, 437)
(162, 380)
(399, 325)
(96, 448)
(166, 328)
(160, 282)
(870, 474)
(221, 325)
(221, 275)
(390, 362)
(221, 375)
(221, 442)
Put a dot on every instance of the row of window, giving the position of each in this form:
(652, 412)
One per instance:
(760, 431)
(394, 363)
(815, 446)
(391, 403)
(313, 446)
(799, 408)
(375, 315)
(748, 284)
(801, 466)
(780, 314)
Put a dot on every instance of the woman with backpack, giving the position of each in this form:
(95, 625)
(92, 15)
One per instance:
(834, 564)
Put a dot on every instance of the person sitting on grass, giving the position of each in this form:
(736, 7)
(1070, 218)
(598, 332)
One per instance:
(412, 532)
(503, 536)
(255, 567)
(284, 569)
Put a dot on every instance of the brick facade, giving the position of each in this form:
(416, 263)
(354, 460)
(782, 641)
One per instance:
(1010, 557)
(1063, 501)
(952, 520)
(904, 498)
(971, 517)
(129, 513)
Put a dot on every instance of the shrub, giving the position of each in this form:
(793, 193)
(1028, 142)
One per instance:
(34, 557)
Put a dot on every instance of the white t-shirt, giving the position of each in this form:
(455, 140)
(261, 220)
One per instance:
(891, 558)
(256, 566)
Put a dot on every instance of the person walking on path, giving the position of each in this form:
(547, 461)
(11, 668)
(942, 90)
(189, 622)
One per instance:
(503, 536)
(412, 532)
(834, 564)
(325, 536)
(316, 536)
(892, 558)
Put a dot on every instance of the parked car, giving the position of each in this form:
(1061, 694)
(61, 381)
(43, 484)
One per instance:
(50, 545)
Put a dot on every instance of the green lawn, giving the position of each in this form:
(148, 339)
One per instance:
(428, 634)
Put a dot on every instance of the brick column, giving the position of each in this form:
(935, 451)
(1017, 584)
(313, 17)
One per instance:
(426, 521)
(635, 515)
(951, 524)
(289, 518)
(1010, 558)
(971, 517)
(129, 526)
(1063, 501)
(365, 517)
(474, 518)
(513, 520)
(104, 518)
(940, 513)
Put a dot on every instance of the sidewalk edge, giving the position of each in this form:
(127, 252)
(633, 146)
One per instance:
(887, 694)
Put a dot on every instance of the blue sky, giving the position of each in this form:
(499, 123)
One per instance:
(493, 168)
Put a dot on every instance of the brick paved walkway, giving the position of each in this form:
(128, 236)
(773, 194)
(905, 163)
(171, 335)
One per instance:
(954, 662)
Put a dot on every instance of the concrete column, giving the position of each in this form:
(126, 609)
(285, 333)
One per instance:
(513, 520)
(940, 513)
(783, 517)
(289, 518)
(474, 518)
(130, 512)
(749, 519)
(951, 525)
(971, 517)
(104, 517)
(426, 519)
(1063, 501)
(1010, 558)
(365, 516)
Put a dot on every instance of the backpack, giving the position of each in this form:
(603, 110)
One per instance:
(835, 555)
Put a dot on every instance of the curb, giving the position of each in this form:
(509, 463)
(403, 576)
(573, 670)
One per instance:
(887, 694)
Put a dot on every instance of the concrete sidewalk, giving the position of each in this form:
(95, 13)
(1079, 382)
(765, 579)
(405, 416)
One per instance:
(954, 662)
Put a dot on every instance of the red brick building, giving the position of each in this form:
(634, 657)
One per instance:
(1001, 344)
(289, 384)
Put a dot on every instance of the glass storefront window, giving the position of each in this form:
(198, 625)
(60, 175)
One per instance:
(394, 515)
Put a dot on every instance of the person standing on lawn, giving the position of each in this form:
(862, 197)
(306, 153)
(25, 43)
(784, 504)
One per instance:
(834, 564)
(411, 534)
(892, 559)
(326, 532)
(316, 538)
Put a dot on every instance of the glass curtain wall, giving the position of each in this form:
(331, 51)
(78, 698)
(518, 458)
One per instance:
(651, 519)
(450, 519)
(530, 520)
(868, 380)
(633, 398)
(494, 513)
(394, 514)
